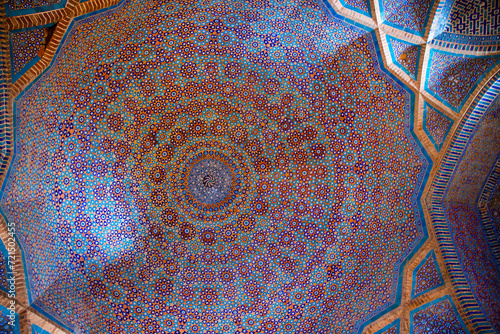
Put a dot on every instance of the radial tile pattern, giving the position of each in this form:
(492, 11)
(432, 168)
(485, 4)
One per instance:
(436, 125)
(212, 167)
(426, 276)
(452, 77)
(436, 317)
(392, 328)
(407, 15)
(25, 49)
(405, 55)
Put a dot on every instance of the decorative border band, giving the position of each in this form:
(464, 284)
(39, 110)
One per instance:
(436, 196)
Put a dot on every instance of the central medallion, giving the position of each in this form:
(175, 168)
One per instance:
(210, 180)
(213, 181)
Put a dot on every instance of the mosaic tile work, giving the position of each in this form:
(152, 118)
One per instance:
(493, 206)
(475, 18)
(440, 19)
(470, 239)
(25, 48)
(426, 276)
(5, 328)
(478, 160)
(3, 268)
(23, 7)
(468, 43)
(436, 125)
(408, 15)
(488, 206)
(472, 306)
(360, 6)
(213, 167)
(392, 328)
(437, 317)
(452, 77)
(405, 56)
(6, 323)
(6, 139)
(476, 260)
(468, 26)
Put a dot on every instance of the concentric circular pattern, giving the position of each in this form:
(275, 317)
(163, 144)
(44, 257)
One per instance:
(212, 184)
(233, 177)
(218, 168)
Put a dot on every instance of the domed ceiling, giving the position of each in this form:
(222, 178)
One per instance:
(241, 167)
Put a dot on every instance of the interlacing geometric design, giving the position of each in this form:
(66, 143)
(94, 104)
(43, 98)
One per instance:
(251, 166)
